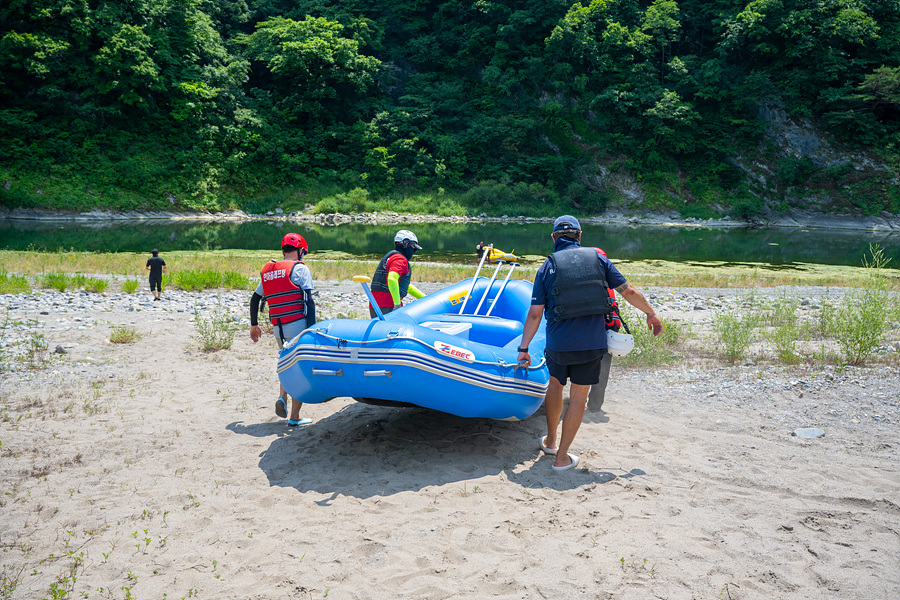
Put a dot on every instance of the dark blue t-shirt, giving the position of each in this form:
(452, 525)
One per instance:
(580, 333)
(156, 264)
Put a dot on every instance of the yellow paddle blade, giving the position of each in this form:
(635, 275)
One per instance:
(362, 278)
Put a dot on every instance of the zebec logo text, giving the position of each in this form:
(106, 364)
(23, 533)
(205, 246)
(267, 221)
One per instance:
(455, 351)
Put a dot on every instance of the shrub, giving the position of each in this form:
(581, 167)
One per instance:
(56, 281)
(861, 323)
(650, 350)
(235, 281)
(733, 330)
(354, 201)
(196, 281)
(863, 317)
(130, 286)
(746, 206)
(215, 333)
(96, 284)
(785, 332)
(13, 284)
(794, 171)
(123, 334)
(36, 347)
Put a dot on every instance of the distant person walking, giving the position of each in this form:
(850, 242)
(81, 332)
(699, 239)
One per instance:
(157, 266)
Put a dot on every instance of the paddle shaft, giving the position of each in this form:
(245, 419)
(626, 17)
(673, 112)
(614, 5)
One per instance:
(487, 251)
(512, 268)
(372, 300)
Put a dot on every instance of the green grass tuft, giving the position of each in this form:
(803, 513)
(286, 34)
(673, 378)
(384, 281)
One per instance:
(123, 334)
(13, 284)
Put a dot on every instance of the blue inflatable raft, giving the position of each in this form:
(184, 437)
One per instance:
(453, 350)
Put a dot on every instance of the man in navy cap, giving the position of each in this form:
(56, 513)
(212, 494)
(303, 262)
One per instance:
(572, 288)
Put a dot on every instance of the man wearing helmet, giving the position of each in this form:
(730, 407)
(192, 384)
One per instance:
(572, 288)
(391, 280)
(286, 285)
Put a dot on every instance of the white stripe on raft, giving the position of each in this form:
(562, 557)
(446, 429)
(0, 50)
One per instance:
(413, 359)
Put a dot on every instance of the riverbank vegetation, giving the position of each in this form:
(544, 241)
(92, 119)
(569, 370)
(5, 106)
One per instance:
(448, 108)
(860, 325)
(239, 269)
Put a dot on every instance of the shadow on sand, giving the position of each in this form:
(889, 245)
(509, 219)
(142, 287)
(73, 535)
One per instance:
(363, 451)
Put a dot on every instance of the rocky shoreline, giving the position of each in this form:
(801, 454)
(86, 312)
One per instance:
(56, 315)
(790, 219)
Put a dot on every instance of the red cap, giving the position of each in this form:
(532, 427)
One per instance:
(295, 240)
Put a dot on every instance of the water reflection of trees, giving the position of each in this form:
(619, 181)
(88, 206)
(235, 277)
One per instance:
(448, 240)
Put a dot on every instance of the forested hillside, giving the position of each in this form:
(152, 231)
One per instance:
(504, 106)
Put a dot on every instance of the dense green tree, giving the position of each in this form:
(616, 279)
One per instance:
(316, 71)
(192, 102)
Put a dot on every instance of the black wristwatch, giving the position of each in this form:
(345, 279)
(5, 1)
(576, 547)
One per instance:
(522, 349)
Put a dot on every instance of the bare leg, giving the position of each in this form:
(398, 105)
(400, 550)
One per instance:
(571, 422)
(295, 409)
(553, 406)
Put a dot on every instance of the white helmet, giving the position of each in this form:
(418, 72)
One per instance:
(619, 344)
(405, 237)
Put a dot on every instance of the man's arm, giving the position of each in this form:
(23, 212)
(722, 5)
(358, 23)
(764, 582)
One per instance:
(255, 330)
(393, 283)
(414, 292)
(637, 300)
(532, 321)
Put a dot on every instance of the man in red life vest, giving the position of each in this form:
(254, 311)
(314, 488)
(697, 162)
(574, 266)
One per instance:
(391, 280)
(286, 285)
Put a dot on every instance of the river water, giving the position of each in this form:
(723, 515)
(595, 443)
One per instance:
(446, 242)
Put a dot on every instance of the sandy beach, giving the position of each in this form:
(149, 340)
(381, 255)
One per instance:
(154, 470)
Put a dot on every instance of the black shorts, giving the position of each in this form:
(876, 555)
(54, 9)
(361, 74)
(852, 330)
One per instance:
(586, 373)
(156, 282)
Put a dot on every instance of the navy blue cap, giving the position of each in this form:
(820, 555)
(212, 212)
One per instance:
(566, 222)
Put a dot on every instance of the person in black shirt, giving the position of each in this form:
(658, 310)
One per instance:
(156, 266)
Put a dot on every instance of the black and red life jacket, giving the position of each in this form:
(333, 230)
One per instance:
(286, 300)
(613, 321)
(380, 278)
